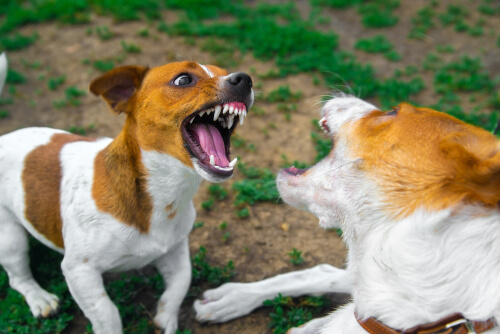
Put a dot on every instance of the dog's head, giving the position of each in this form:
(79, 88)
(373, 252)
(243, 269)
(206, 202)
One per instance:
(184, 109)
(389, 163)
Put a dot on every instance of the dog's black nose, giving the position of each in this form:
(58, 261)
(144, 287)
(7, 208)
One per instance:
(240, 79)
(239, 88)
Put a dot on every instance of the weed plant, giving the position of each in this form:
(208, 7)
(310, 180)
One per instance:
(17, 41)
(104, 33)
(296, 257)
(258, 184)
(14, 77)
(55, 82)
(103, 65)
(287, 312)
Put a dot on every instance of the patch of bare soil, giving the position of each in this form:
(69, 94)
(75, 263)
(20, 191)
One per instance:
(258, 245)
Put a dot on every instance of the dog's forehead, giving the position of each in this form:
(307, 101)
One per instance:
(171, 70)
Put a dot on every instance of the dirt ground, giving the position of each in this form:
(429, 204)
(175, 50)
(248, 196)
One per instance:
(258, 245)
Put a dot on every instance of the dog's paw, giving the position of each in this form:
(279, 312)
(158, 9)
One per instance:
(42, 304)
(229, 301)
(165, 323)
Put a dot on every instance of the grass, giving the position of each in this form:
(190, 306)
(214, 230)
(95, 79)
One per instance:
(378, 44)
(55, 82)
(287, 312)
(258, 185)
(296, 257)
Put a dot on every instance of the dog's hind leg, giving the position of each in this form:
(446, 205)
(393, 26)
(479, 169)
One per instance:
(14, 258)
(233, 300)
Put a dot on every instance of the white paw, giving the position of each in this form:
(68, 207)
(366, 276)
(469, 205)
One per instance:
(166, 322)
(229, 301)
(42, 304)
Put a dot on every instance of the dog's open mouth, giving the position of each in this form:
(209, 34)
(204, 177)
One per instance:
(207, 135)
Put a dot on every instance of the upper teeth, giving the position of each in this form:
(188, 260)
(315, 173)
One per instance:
(228, 120)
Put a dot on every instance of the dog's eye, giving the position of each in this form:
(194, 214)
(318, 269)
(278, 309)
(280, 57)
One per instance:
(393, 111)
(182, 80)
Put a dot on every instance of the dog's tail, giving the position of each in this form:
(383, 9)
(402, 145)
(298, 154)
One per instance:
(3, 70)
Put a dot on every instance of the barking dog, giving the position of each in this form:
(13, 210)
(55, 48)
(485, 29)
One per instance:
(416, 193)
(114, 205)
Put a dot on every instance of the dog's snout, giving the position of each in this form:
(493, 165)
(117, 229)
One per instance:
(240, 79)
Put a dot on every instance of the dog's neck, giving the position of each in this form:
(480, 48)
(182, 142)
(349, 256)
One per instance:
(148, 180)
(428, 266)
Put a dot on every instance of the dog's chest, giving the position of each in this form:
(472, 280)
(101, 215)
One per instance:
(142, 249)
(171, 189)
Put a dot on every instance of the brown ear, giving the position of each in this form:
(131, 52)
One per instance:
(477, 167)
(118, 85)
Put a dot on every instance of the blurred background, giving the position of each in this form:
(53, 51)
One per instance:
(436, 53)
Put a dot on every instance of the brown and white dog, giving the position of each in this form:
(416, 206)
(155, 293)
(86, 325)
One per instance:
(114, 205)
(417, 195)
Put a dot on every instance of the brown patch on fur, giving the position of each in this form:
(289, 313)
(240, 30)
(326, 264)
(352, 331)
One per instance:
(172, 215)
(41, 178)
(424, 158)
(120, 185)
(169, 207)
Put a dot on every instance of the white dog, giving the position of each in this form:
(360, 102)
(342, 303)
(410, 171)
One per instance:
(115, 205)
(416, 193)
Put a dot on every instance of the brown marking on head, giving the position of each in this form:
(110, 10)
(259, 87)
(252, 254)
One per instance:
(155, 105)
(424, 158)
(169, 207)
(41, 179)
(120, 185)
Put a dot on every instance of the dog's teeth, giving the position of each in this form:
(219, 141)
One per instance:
(209, 111)
(231, 109)
(230, 121)
(201, 113)
(212, 160)
(191, 121)
(242, 119)
(236, 111)
(232, 163)
(217, 111)
(226, 108)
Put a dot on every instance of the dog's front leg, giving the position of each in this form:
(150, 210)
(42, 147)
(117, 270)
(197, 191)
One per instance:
(175, 268)
(233, 300)
(87, 288)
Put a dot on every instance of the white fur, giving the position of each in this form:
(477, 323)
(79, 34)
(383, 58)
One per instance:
(210, 74)
(3, 70)
(402, 272)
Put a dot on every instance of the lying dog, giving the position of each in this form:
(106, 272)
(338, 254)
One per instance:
(115, 205)
(416, 193)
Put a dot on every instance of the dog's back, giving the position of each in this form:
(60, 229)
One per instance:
(31, 172)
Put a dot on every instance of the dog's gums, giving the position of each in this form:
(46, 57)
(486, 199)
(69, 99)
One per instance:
(295, 171)
(207, 135)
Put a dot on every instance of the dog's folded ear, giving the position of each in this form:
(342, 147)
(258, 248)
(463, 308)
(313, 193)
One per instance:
(118, 85)
(476, 163)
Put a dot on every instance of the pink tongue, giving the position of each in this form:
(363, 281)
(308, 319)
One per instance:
(212, 143)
